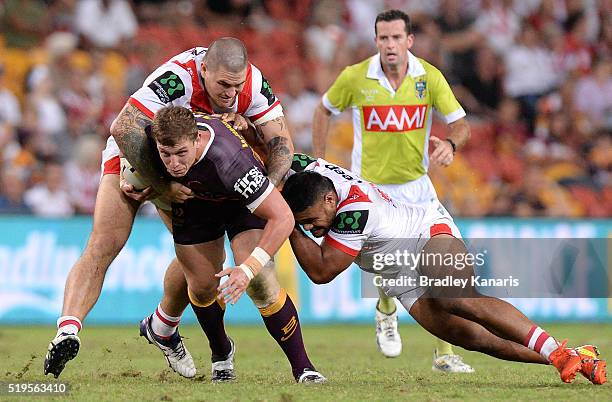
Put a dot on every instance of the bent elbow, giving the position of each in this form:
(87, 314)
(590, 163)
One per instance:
(320, 278)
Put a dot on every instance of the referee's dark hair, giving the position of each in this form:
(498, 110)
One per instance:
(394, 15)
(303, 189)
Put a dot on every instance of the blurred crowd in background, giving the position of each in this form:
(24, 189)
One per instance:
(533, 75)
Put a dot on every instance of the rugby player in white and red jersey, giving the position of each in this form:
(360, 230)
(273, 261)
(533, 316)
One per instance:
(360, 223)
(215, 80)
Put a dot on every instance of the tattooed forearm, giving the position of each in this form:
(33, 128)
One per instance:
(279, 159)
(276, 135)
(128, 131)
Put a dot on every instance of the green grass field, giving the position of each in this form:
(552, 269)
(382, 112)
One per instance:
(115, 364)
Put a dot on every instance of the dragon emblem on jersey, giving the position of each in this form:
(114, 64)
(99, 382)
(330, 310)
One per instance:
(300, 161)
(266, 90)
(350, 222)
(168, 87)
(421, 88)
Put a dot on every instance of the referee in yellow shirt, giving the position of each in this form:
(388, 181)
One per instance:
(391, 95)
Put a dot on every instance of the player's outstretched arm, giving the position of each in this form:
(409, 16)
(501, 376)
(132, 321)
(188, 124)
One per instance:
(320, 128)
(276, 135)
(128, 129)
(321, 263)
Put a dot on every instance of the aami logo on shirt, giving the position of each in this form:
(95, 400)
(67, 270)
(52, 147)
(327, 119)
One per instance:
(394, 118)
(248, 184)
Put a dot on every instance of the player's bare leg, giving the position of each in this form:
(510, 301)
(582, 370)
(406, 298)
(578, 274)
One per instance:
(468, 334)
(112, 223)
(277, 310)
(200, 263)
(113, 218)
(161, 327)
(175, 299)
(499, 318)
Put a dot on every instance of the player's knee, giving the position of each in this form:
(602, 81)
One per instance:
(105, 245)
(264, 288)
(203, 293)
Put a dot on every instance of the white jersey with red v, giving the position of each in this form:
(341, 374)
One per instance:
(179, 82)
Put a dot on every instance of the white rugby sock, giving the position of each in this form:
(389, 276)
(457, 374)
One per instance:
(164, 325)
(68, 324)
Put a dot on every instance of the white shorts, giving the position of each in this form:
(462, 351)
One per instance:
(437, 220)
(420, 191)
(110, 158)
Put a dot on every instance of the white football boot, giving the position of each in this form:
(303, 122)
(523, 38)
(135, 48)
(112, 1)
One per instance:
(387, 336)
(178, 357)
(450, 364)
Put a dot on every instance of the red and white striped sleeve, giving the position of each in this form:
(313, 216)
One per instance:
(264, 105)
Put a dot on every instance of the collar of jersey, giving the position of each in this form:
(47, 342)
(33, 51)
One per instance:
(375, 71)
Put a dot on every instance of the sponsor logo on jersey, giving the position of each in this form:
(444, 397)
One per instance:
(300, 161)
(252, 181)
(340, 171)
(394, 118)
(421, 88)
(369, 94)
(266, 90)
(168, 87)
(350, 222)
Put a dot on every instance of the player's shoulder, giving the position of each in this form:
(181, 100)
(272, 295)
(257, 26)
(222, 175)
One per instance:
(355, 210)
(302, 162)
(257, 95)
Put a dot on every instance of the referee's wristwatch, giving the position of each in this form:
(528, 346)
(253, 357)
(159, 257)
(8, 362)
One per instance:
(452, 144)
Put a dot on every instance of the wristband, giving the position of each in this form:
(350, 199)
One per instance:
(247, 271)
(452, 144)
(261, 256)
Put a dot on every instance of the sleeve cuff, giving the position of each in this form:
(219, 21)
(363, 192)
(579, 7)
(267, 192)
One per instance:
(337, 245)
(138, 105)
(454, 116)
(274, 111)
(253, 206)
(329, 106)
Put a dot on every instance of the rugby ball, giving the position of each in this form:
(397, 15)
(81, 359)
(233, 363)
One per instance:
(130, 175)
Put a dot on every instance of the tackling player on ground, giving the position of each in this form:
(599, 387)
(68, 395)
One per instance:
(392, 96)
(358, 221)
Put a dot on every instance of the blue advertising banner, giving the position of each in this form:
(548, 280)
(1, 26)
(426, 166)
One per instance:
(37, 254)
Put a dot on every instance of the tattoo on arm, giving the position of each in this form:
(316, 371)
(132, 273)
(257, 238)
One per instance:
(280, 148)
(129, 133)
(279, 159)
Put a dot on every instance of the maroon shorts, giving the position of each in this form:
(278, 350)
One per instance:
(197, 221)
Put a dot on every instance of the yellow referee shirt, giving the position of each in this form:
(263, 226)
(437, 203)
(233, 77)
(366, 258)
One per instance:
(391, 128)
